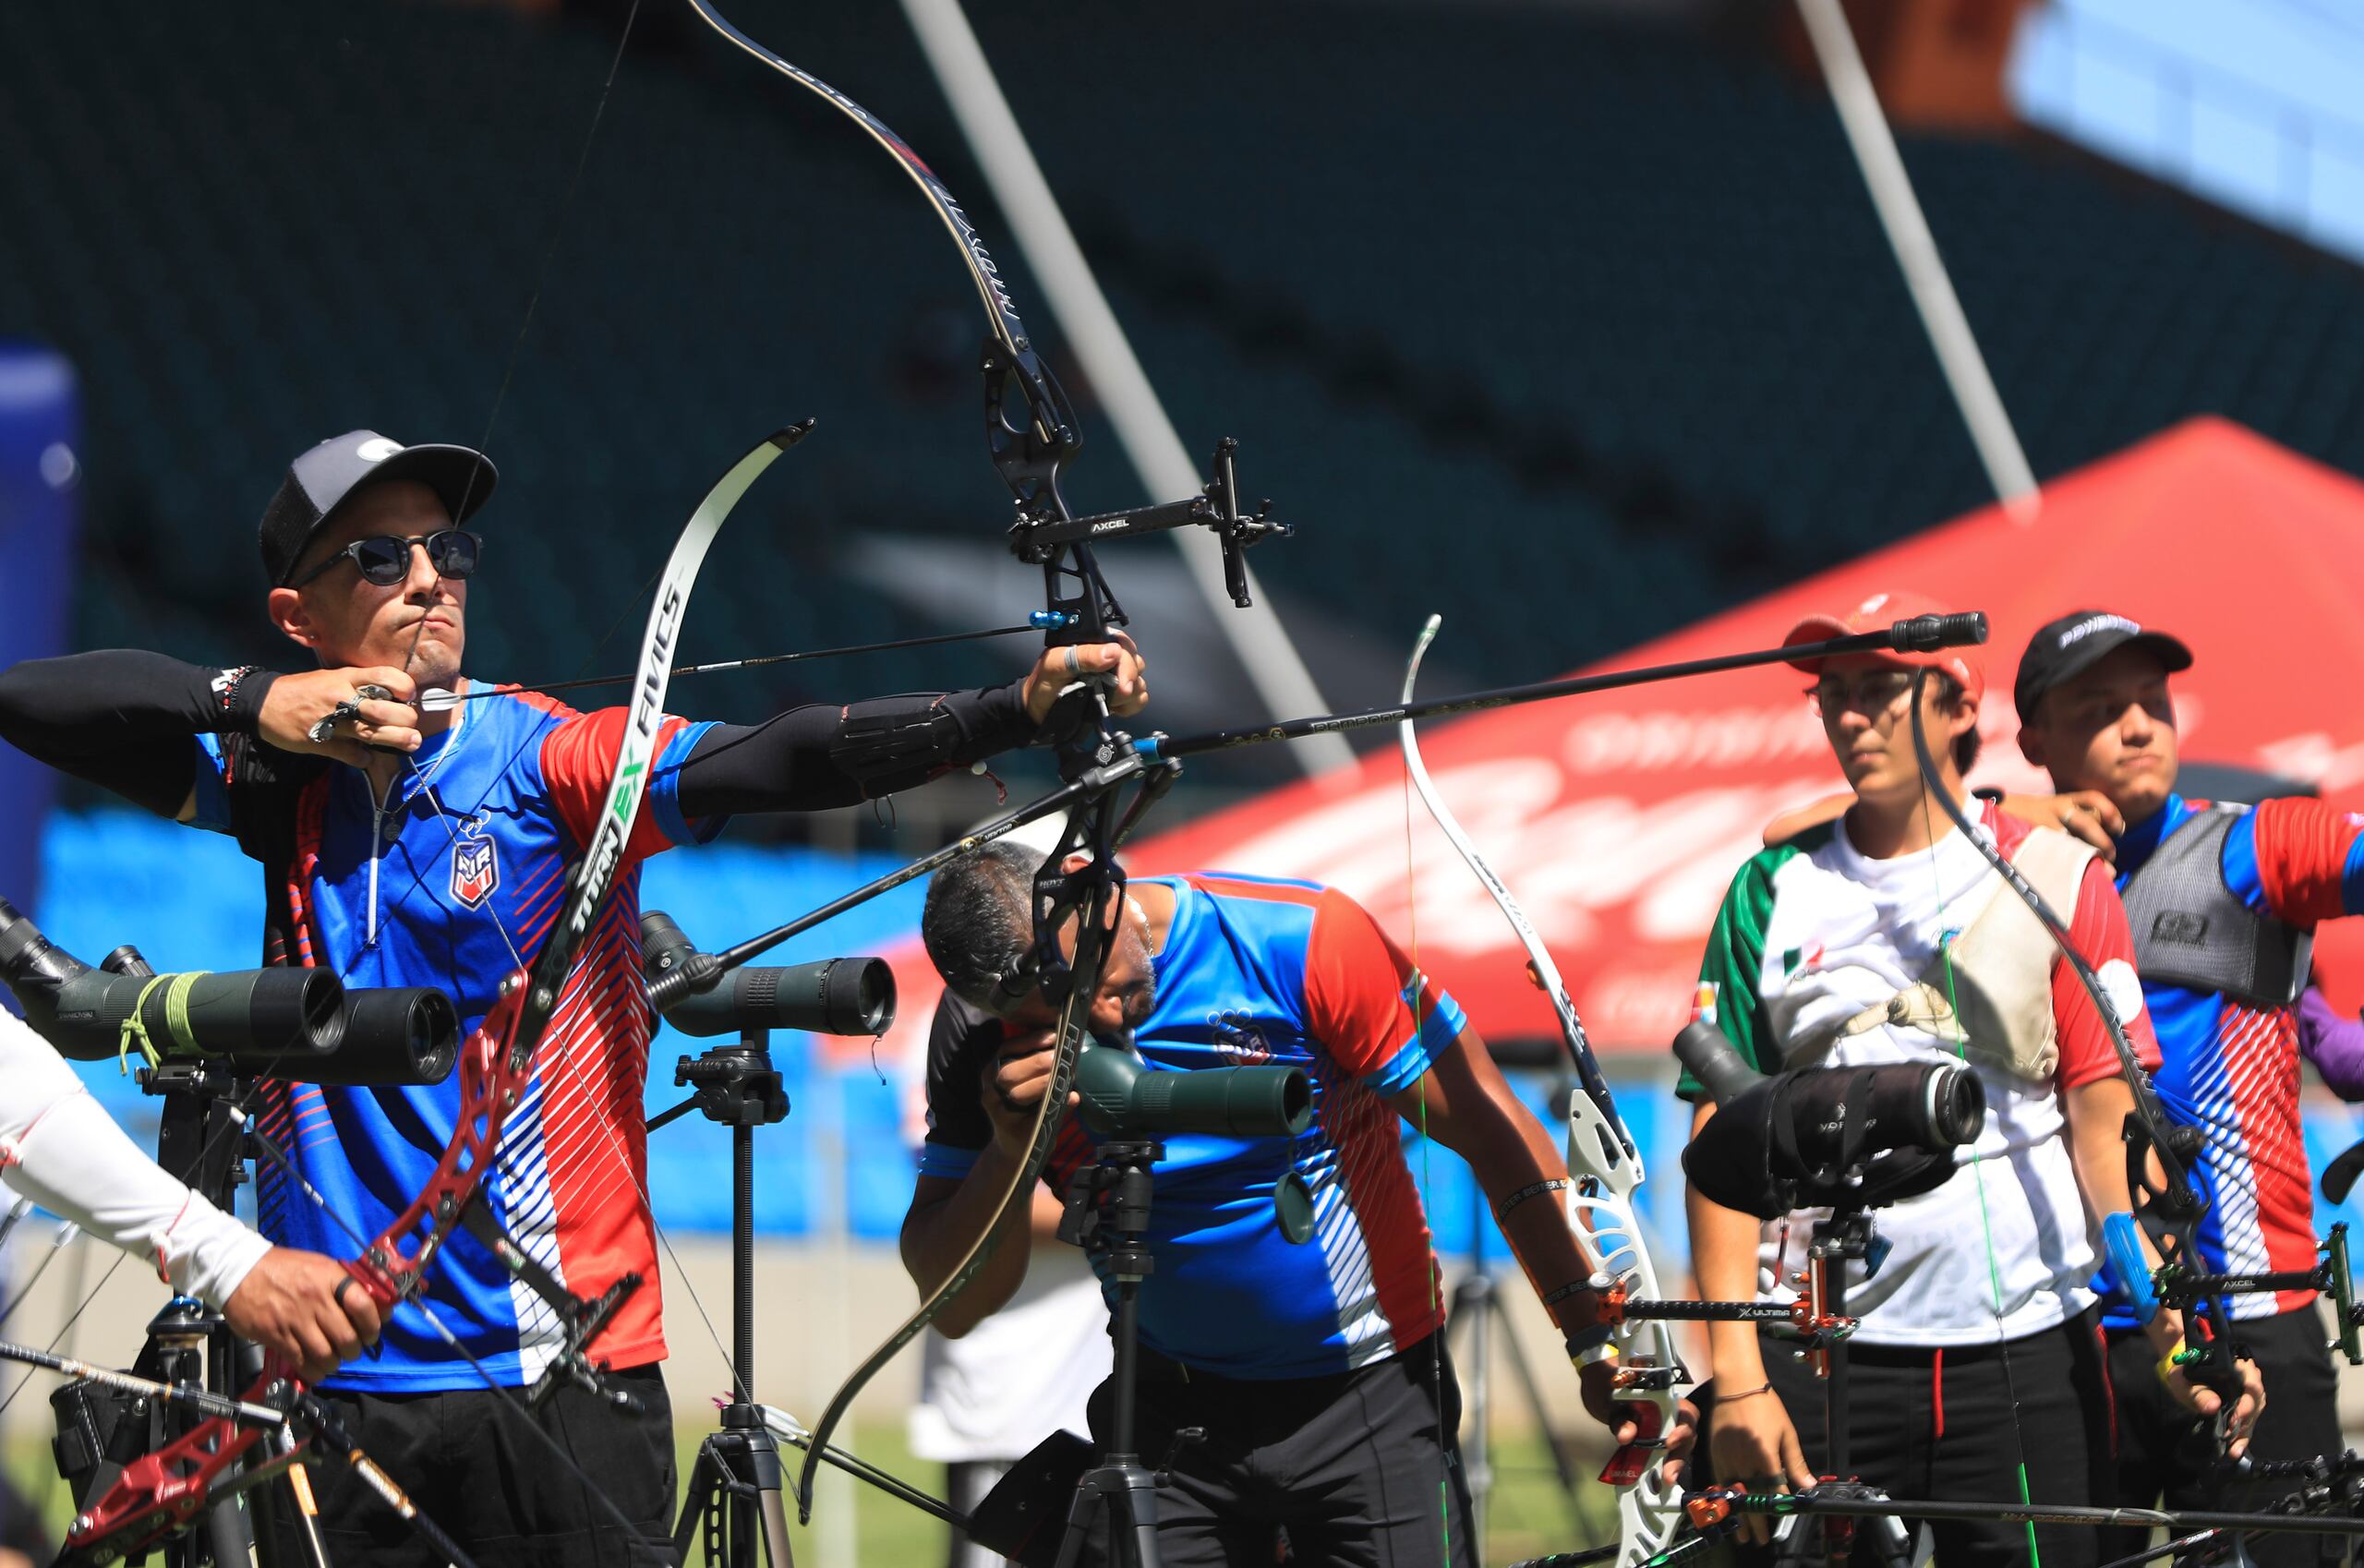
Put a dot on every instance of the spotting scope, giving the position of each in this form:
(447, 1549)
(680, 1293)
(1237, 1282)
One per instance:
(827, 996)
(295, 1023)
(1124, 1097)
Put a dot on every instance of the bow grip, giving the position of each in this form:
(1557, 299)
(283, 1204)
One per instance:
(1632, 1461)
(2123, 1239)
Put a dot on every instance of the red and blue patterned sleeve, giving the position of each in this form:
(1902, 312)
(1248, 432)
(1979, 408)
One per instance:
(578, 762)
(2299, 859)
(2100, 931)
(1377, 1015)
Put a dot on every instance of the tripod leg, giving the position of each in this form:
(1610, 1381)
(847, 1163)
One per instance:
(1472, 1304)
(1571, 1483)
(776, 1549)
(697, 1504)
(1081, 1513)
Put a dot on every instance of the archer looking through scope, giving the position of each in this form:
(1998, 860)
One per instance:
(830, 996)
(295, 1023)
(1824, 1136)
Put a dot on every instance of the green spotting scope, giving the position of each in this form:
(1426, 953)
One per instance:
(1124, 1097)
(292, 1022)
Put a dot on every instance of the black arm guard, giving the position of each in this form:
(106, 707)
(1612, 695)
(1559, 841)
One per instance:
(123, 719)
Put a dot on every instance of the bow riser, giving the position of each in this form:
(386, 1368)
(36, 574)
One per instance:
(1605, 1168)
(166, 1488)
(1650, 1510)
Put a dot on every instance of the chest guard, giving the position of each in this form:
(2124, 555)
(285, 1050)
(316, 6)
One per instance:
(1988, 991)
(2192, 930)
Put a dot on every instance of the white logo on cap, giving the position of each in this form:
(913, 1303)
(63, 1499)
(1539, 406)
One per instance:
(376, 449)
(2085, 629)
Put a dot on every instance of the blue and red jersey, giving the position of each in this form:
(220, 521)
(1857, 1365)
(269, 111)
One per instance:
(2231, 1069)
(1254, 973)
(453, 881)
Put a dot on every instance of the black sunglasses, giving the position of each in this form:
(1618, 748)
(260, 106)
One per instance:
(384, 559)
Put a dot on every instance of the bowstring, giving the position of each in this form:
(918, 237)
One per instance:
(1977, 1160)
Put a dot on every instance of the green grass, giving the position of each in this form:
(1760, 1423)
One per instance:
(1530, 1514)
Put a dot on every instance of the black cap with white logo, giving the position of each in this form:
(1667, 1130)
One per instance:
(2074, 644)
(327, 477)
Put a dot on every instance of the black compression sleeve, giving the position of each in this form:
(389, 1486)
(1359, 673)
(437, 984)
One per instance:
(123, 719)
(962, 1041)
(815, 757)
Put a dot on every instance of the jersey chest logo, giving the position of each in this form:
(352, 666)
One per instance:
(475, 868)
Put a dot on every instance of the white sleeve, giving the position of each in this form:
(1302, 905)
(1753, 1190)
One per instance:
(59, 1147)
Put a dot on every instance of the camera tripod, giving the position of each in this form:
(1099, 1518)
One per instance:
(1477, 1314)
(1108, 1212)
(733, 1504)
(201, 1140)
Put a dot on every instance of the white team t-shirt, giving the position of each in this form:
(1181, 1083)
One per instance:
(2005, 1247)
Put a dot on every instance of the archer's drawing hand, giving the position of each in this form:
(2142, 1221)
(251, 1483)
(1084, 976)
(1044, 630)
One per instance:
(1118, 659)
(1752, 1444)
(1013, 1087)
(305, 1309)
(294, 704)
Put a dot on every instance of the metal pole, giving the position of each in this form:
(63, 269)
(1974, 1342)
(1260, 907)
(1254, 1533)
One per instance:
(1916, 254)
(1146, 434)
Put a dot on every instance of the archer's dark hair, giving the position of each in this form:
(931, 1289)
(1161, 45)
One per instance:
(979, 920)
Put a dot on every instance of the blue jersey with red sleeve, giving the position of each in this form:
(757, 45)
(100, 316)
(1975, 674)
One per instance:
(1256, 972)
(2230, 1068)
(464, 855)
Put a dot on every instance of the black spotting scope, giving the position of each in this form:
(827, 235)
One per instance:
(1824, 1136)
(829, 996)
(295, 1023)
(1124, 1097)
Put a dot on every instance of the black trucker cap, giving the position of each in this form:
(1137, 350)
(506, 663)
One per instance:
(325, 478)
(2076, 643)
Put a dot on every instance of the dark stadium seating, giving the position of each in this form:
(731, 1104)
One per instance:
(1569, 330)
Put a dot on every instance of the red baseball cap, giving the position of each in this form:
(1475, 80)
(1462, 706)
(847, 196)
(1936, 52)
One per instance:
(1876, 614)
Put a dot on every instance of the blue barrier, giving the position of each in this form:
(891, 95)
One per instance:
(191, 900)
(40, 474)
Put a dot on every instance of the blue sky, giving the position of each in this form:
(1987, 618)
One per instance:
(2258, 104)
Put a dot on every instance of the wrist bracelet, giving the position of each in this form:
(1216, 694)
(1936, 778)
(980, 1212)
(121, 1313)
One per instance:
(1536, 1189)
(238, 692)
(1744, 1393)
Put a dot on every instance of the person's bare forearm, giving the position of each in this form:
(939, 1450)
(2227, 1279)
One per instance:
(1465, 1104)
(1723, 1264)
(2097, 1114)
(937, 1235)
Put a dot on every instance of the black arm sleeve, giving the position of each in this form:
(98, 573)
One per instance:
(815, 757)
(123, 719)
(962, 1041)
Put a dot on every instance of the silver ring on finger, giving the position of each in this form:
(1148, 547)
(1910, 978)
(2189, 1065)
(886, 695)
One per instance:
(1073, 668)
(325, 726)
